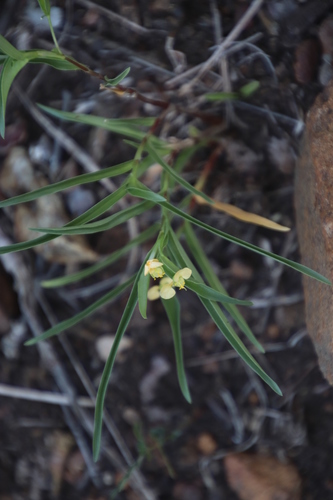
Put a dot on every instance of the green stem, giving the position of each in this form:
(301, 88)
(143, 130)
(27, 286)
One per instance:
(55, 41)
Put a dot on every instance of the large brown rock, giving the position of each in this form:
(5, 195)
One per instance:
(255, 477)
(314, 215)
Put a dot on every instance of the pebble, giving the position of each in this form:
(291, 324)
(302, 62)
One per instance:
(206, 444)
(103, 345)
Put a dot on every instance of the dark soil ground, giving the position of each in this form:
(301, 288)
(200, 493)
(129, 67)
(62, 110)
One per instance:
(177, 449)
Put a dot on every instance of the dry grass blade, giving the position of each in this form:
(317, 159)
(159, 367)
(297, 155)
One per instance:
(42, 396)
(130, 25)
(203, 68)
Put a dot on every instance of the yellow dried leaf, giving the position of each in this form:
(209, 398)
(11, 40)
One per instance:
(242, 215)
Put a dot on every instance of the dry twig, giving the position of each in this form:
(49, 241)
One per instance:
(43, 396)
(130, 25)
(234, 33)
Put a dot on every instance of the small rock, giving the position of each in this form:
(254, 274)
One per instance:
(157, 414)
(91, 18)
(206, 444)
(244, 159)
(131, 416)
(41, 151)
(273, 331)
(240, 270)
(183, 491)
(253, 398)
(255, 477)
(282, 154)
(313, 203)
(104, 344)
(148, 384)
(75, 467)
(79, 200)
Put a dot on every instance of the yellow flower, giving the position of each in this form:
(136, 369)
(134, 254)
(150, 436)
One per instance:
(165, 289)
(154, 268)
(154, 293)
(180, 277)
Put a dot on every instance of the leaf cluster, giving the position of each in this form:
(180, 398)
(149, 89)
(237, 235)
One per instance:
(167, 246)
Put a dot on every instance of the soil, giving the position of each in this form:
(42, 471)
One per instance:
(179, 448)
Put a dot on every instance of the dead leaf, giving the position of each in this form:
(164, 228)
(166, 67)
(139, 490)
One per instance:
(242, 215)
(19, 176)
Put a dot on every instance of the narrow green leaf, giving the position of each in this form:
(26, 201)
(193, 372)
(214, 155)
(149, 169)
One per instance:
(207, 270)
(93, 212)
(68, 323)
(3, 58)
(183, 260)
(120, 169)
(162, 147)
(127, 127)
(221, 96)
(61, 64)
(9, 71)
(126, 317)
(45, 6)
(143, 286)
(36, 54)
(184, 157)
(146, 194)
(112, 82)
(153, 153)
(26, 245)
(169, 267)
(244, 92)
(9, 49)
(51, 57)
(103, 225)
(225, 327)
(249, 88)
(211, 294)
(294, 265)
(199, 287)
(111, 259)
(172, 308)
